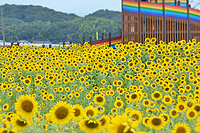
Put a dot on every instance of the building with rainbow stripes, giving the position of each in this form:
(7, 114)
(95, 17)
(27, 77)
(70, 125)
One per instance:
(167, 20)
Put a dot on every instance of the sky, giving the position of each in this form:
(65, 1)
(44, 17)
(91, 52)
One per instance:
(79, 7)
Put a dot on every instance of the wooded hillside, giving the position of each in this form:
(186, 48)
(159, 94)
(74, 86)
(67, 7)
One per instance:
(29, 22)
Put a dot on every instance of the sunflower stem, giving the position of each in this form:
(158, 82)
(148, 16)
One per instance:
(58, 129)
(34, 125)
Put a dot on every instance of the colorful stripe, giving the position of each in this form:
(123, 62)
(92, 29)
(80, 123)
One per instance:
(183, 3)
(113, 41)
(131, 37)
(170, 2)
(155, 9)
(151, 8)
(194, 14)
(130, 6)
(178, 12)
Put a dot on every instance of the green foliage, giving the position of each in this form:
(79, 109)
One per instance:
(113, 15)
(30, 13)
(39, 23)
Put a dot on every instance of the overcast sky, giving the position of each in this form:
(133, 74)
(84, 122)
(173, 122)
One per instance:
(79, 7)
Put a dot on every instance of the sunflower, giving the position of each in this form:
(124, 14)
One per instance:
(50, 96)
(19, 124)
(61, 113)
(51, 83)
(166, 117)
(105, 122)
(147, 41)
(87, 83)
(5, 107)
(156, 95)
(181, 107)
(90, 111)
(134, 97)
(5, 130)
(136, 115)
(103, 81)
(145, 121)
(146, 102)
(167, 99)
(99, 99)
(197, 125)
(81, 71)
(88, 96)
(174, 113)
(156, 123)
(181, 128)
(82, 79)
(118, 104)
(190, 104)
(90, 126)
(122, 124)
(26, 106)
(191, 114)
(45, 127)
(153, 40)
(78, 111)
(27, 81)
(197, 108)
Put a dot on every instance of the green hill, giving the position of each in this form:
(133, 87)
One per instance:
(29, 22)
(30, 13)
(113, 15)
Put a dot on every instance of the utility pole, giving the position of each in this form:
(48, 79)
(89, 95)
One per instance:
(2, 26)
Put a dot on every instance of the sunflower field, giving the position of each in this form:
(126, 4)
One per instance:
(135, 88)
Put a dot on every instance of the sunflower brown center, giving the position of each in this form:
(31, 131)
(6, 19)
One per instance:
(27, 106)
(91, 125)
(133, 96)
(197, 108)
(191, 114)
(103, 121)
(181, 130)
(135, 116)
(90, 112)
(174, 112)
(146, 120)
(167, 99)
(61, 112)
(165, 118)
(77, 112)
(156, 95)
(181, 107)
(119, 104)
(189, 104)
(5, 106)
(26, 81)
(156, 121)
(21, 123)
(99, 99)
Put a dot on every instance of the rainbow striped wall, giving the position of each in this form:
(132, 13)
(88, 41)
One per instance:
(178, 12)
(172, 2)
(155, 9)
(151, 8)
(160, 1)
(113, 42)
(130, 6)
(183, 3)
(194, 15)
